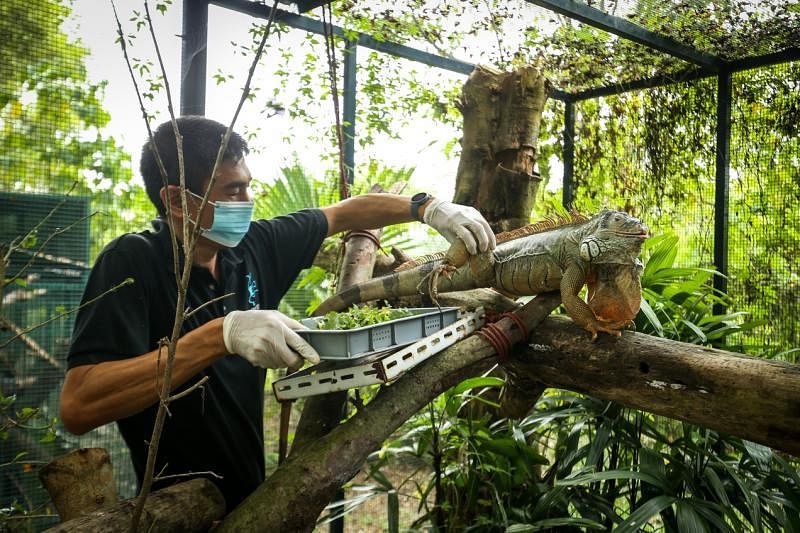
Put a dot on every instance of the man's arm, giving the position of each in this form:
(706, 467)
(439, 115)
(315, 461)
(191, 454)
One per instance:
(93, 395)
(374, 210)
(368, 211)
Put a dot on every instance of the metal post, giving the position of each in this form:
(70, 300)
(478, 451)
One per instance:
(349, 112)
(193, 57)
(723, 157)
(568, 185)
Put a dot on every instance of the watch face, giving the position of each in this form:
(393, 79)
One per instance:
(419, 197)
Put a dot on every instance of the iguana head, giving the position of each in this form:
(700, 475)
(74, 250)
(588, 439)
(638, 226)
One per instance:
(612, 237)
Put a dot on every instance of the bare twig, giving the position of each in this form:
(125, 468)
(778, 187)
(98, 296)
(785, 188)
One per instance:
(496, 29)
(188, 474)
(330, 50)
(198, 385)
(189, 314)
(42, 221)
(159, 162)
(50, 237)
(126, 281)
(58, 259)
(8, 249)
(37, 350)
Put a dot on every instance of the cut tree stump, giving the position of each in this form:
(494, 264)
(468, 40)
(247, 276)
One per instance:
(80, 482)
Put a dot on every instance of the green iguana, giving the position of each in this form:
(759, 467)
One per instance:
(564, 255)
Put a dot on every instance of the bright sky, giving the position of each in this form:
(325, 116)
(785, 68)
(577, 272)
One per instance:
(93, 22)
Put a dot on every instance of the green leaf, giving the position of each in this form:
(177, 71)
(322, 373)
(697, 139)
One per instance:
(688, 519)
(644, 513)
(549, 523)
(473, 383)
(651, 317)
(713, 480)
(760, 454)
(585, 479)
(697, 331)
(393, 512)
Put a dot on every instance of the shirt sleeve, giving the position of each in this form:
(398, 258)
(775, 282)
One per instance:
(115, 326)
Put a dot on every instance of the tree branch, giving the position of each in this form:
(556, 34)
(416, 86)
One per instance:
(752, 398)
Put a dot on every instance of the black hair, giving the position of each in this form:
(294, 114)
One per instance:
(201, 140)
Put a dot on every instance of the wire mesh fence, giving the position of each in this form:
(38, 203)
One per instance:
(764, 231)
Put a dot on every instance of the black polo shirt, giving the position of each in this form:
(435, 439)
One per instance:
(221, 428)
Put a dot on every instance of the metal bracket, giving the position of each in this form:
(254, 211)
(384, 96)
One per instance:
(376, 368)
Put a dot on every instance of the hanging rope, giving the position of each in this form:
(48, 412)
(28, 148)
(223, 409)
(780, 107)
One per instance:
(330, 50)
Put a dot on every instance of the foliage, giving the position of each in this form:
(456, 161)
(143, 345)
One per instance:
(14, 420)
(52, 136)
(681, 303)
(578, 463)
(357, 317)
(52, 118)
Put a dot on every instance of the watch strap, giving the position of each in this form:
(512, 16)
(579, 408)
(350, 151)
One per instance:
(417, 201)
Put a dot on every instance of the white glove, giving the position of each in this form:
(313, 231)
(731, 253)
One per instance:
(463, 222)
(266, 339)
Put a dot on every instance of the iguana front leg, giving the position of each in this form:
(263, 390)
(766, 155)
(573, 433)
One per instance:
(456, 256)
(572, 282)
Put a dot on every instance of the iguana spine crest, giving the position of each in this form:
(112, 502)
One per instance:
(550, 223)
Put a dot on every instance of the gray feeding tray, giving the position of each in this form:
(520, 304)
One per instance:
(337, 344)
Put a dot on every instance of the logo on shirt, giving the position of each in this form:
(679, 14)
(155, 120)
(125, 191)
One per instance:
(252, 291)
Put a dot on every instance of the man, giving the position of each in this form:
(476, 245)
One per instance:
(114, 353)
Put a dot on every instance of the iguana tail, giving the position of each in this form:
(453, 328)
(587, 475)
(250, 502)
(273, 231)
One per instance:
(402, 283)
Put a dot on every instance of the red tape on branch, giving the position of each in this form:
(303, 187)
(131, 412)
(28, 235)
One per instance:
(363, 233)
(520, 324)
(498, 338)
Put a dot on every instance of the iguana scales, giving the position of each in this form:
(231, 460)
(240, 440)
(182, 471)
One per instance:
(563, 255)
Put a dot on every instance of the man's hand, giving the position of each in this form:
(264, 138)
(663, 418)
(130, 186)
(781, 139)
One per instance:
(266, 339)
(456, 221)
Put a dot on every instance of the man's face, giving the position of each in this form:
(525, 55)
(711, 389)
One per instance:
(232, 185)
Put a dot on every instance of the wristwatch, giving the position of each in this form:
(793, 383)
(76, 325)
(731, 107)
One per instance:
(417, 201)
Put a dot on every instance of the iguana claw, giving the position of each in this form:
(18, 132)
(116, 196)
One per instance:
(612, 329)
(433, 280)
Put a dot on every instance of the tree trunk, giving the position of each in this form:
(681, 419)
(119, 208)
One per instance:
(323, 413)
(80, 482)
(752, 398)
(189, 506)
(502, 114)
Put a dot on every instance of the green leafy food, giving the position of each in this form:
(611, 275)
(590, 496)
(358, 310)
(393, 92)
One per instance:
(357, 317)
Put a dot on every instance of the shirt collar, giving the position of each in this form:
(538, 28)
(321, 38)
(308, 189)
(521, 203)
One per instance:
(231, 256)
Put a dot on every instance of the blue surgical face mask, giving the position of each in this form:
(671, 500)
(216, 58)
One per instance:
(231, 222)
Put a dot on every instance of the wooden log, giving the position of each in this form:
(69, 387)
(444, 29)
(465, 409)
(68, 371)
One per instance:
(502, 114)
(184, 507)
(752, 398)
(80, 482)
